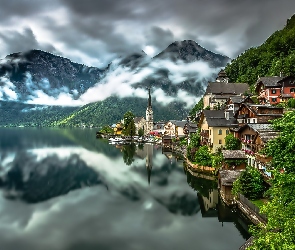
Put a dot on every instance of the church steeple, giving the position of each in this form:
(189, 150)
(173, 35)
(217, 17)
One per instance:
(150, 99)
(149, 116)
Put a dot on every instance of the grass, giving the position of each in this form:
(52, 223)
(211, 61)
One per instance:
(259, 203)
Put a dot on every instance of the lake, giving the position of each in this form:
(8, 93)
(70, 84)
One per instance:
(63, 189)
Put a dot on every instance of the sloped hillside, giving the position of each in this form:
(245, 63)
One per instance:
(275, 55)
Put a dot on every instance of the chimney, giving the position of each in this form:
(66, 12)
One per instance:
(226, 114)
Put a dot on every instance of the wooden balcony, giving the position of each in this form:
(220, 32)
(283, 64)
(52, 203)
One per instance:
(205, 134)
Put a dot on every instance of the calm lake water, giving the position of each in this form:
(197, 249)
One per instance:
(64, 189)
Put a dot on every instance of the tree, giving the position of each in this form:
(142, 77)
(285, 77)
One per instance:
(193, 145)
(140, 132)
(129, 126)
(250, 184)
(279, 232)
(232, 143)
(203, 156)
(199, 106)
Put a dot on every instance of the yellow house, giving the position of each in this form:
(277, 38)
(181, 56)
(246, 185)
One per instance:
(215, 125)
(118, 129)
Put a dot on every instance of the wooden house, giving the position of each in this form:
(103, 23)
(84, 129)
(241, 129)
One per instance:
(257, 113)
(218, 92)
(234, 159)
(275, 89)
(226, 179)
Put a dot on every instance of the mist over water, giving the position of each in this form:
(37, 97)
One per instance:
(64, 189)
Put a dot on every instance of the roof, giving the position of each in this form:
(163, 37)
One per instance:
(138, 119)
(227, 177)
(213, 113)
(248, 243)
(233, 154)
(270, 81)
(226, 88)
(222, 122)
(255, 107)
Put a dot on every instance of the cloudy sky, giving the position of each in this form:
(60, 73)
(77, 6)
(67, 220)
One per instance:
(95, 32)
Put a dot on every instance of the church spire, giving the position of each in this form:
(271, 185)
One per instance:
(150, 99)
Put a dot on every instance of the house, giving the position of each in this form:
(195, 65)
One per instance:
(174, 128)
(254, 138)
(218, 92)
(159, 128)
(118, 128)
(234, 102)
(169, 129)
(214, 126)
(226, 178)
(234, 159)
(257, 113)
(275, 89)
(140, 123)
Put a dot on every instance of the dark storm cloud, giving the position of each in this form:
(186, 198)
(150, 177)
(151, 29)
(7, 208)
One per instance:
(15, 41)
(159, 38)
(95, 32)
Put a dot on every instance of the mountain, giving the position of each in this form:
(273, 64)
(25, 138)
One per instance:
(35, 70)
(275, 55)
(189, 51)
(31, 82)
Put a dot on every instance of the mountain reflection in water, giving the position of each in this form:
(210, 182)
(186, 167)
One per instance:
(63, 189)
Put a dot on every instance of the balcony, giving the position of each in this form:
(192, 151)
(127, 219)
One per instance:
(205, 134)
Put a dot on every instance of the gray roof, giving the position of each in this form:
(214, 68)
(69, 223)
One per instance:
(179, 123)
(228, 177)
(227, 88)
(247, 244)
(138, 119)
(233, 154)
(270, 81)
(222, 122)
(213, 113)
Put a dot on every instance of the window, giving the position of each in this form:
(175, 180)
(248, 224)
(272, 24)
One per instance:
(227, 131)
(292, 90)
(210, 131)
(274, 99)
(273, 91)
(220, 141)
(220, 132)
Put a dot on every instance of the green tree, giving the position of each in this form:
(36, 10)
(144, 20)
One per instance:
(140, 132)
(203, 156)
(107, 130)
(193, 145)
(199, 106)
(279, 232)
(232, 143)
(129, 126)
(250, 184)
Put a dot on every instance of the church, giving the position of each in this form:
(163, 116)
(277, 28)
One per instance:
(146, 123)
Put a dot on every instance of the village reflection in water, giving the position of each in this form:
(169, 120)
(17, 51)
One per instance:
(70, 183)
(209, 202)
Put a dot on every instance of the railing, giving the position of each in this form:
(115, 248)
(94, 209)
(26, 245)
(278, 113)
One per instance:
(254, 208)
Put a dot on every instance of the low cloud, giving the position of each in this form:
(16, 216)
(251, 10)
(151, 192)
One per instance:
(7, 90)
(123, 82)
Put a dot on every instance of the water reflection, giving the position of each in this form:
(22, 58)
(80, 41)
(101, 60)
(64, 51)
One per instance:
(64, 189)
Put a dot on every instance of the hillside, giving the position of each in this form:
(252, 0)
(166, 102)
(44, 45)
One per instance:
(98, 114)
(275, 55)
